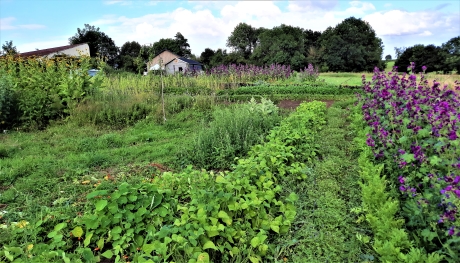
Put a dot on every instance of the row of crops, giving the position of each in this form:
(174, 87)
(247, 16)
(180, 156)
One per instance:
(413, 133)
(192, 216)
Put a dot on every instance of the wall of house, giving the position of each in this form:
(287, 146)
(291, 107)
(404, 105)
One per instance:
(165, 55)
(175, 66)
(82, 50)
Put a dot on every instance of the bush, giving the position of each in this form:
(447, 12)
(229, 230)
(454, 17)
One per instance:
(233, 131)
(7, 101)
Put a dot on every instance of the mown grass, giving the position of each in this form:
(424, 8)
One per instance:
(324, 229)
(355, 79)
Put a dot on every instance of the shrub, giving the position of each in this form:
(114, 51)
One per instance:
(231, 133)
(7, 101)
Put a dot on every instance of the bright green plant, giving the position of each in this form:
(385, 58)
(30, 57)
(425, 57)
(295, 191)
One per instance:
(231, 133)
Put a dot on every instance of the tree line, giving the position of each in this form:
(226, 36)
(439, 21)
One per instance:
(350, 46)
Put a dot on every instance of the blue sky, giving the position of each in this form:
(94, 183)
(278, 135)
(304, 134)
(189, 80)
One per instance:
(33, 24)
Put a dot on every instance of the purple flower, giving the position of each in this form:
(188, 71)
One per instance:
(451, 231)
(402, 188)
(401, 179)
(452, 135)
(424, 68)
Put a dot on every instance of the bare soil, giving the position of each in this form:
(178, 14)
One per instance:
(292, 104)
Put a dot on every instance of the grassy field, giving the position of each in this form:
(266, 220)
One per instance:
(355, 79)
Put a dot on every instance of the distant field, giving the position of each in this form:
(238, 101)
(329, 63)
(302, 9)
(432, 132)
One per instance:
(353, 79)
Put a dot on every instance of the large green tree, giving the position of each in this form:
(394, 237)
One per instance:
(99, 43)
(128, 54)
(244, 39)
(452, 49)
(8, 48)
(206, 56)
(312, 49)
(431, 56)
(178, 45)
(351, 46)
(282, 45)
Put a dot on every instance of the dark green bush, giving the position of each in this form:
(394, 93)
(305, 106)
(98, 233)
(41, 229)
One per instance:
(7, 101)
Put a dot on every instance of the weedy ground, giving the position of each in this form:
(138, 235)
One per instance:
(324, 229)
(52, 168)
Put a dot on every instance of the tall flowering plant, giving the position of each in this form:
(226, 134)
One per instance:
(414, 130)
(244, 73)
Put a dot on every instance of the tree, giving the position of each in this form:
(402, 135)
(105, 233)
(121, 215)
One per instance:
(431, 56)
(352, 46)
(99, 43)
(282, 45)
(218, 58)
(8, 48)
(313, 51)
(184, 46)
(244, 39)
(452, 49)
(399, 51)
(388, 57)
(206, 56)
(128, 53)
(179, 45)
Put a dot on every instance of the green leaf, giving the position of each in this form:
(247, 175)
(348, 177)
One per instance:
(293, 197)
(100, 243)
(434, 160)
(255, 241)
(96, 193)
(275, 228)
(408, 157)
(101, 204)
(116, 230)
(148, 248)
(225, 218)
(209, 244)
(77, 232)
(203, 258)
(60, 226)
(88, 239)
(107, 254)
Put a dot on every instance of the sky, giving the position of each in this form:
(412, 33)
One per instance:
(40, 24)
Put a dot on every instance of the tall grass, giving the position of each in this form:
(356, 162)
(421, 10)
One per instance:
(231, 133)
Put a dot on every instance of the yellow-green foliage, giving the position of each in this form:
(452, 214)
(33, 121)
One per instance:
(379, 209)
(46, 88)
(192, 216)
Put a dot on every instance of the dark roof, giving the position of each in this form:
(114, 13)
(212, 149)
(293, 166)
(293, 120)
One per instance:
(44, 52)
(193, 62)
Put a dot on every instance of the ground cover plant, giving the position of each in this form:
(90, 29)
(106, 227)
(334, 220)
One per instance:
(413, 131)
(180, 225)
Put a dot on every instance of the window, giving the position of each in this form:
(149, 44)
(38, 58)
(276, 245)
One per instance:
(180, 69)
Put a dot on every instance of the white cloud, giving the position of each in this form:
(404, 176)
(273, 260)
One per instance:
(208, 24)
(358, 7)
(121, 2)
(6, 24)
(398, 22)
(311, 6)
